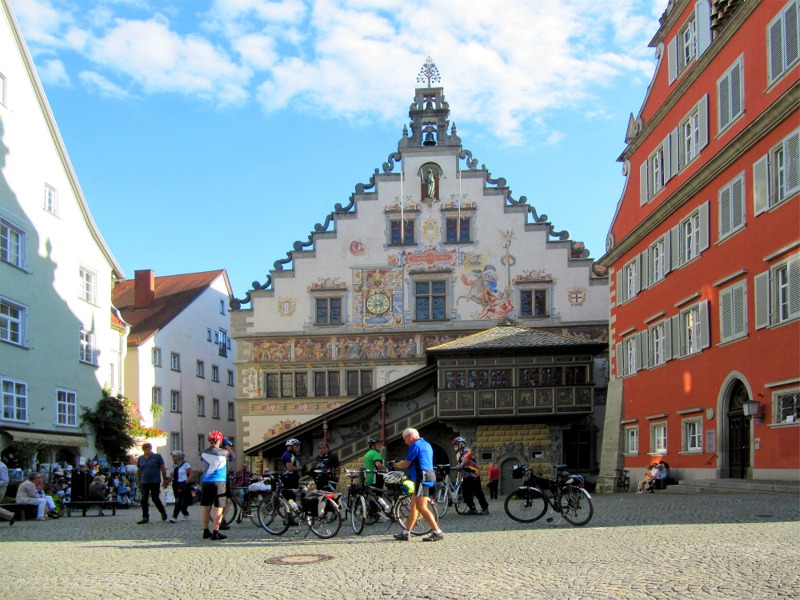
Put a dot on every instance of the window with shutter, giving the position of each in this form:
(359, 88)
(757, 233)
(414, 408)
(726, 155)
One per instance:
(729, 95)
(776, 176)
(731, 207)
(732, 312)
(783, 41)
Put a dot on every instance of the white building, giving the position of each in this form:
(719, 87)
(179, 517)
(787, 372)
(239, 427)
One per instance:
(60, 342)
(179, 369)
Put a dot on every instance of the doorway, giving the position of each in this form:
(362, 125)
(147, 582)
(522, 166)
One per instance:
(738, 433)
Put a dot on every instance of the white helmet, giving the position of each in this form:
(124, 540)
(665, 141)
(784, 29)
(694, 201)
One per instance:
(293, 442)
(393, 477)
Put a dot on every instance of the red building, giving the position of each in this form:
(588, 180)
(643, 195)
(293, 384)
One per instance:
(704, 251)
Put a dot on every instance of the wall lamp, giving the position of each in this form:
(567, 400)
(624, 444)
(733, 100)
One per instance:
(750, 408)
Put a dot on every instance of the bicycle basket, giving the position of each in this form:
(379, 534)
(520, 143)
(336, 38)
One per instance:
(393, 477)
(518, 472)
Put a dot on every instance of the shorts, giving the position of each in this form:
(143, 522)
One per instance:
(423, 491)
(212, 493)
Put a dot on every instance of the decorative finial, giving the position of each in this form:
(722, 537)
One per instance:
(429, 73)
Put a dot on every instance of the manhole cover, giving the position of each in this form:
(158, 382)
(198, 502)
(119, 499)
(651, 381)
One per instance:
(298, 559)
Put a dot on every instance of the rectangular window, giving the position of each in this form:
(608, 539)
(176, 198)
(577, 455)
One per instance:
(88, 285)
(201, 443)
(430, 300)
(658, 344)
(222, 307)
(66, 408)
(50, 200)
(156, 357)
(231, 411)
(533, 303)
(632, 440)
(658, 259)
(156, 396)
(352, 380)
(329, 311)
(209, 334)
(693, 435)
(174, 441)
(733, 312)
(690, 330)
(731, 207)
(457, 230)
(200, 369)
(13, 241)
(174, 361)
(175, 401)
(215, 408)
(631, 280)
(402, 232)
(690, 320)
(366, 382)
(776, 176)
(778, 293)
(13, 322)
(787, 406)
(231, 379)
(201, 406)
(658, 438)
(87, 347)
(656, 162)
(690, 237)
(273, 389)
(730, 95)
(215, 373)
(222, 337)
(783, 41)
(15, 400)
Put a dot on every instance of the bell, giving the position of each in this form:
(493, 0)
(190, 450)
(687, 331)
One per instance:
(429, 140)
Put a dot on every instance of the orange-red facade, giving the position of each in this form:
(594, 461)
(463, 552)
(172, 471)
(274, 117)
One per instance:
(704, 250)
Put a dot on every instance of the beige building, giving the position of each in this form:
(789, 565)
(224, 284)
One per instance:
(432, 248)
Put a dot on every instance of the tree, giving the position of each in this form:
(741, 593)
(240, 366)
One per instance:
(111, 423)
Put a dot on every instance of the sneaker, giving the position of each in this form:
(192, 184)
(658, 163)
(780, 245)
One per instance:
(206, 534)
(142, 521)
(218, 536)
(185, 517)
(401, 537)
(485, 511)
(472, 511)
(223, 525)
(173, 520)
(434, 537)
(11, 521)
(163, 516)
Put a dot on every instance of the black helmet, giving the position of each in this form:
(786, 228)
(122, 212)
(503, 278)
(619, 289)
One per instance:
(373, 441)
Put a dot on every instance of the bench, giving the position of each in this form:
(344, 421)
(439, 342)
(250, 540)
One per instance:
(84, 505)
(22, 511)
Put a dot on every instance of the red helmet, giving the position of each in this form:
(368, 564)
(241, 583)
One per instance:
(215, 437)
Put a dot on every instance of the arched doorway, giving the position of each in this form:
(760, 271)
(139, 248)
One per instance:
(738, 433)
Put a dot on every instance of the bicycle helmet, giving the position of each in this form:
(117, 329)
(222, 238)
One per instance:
(393, 477)
(459, 440)
(215, 437)
(293, 442)
(373, 441)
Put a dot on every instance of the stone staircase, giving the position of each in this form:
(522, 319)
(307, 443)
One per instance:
(727, 486)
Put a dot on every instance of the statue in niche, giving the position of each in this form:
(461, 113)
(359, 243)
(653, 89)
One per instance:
(430, 185)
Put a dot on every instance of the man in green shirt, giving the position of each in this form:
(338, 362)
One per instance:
(373, 461)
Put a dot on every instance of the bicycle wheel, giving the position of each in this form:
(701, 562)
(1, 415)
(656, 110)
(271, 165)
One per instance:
(252, 509)
(401, 509)
(442, 496)
(233, 512)
(576, 505)
(626, 484)
(329, 523)
(358, 514)
(274, 514)
(525, 505)
(461, 506)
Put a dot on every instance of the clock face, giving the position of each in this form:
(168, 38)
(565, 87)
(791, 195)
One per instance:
(378, 304)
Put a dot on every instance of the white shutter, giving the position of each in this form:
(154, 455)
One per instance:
(642, 350)
(620, 361)
(672, 59)
(675, 243)
(726, 315)
(737, 98)
(621, 293)
(667, 253)
(724, 102)
(644, 269)
(792, 42)
(703, 226)
(761, 184)
(775, 47)
(667, 329)
(794, 287)
(674, 158)
(762, 301)
(705, 325)
(739, 308)
(702, 112)
(725, 211)
(702, 20)
(737, 203)
(643, 184)
(637, 280)
(791, 155)
(677, 336)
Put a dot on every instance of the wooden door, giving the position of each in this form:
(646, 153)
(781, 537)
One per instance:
(738, 434)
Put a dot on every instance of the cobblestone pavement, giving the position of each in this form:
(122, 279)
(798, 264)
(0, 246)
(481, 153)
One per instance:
(663, 545)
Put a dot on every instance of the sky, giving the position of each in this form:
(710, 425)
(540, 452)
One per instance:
(211, 134)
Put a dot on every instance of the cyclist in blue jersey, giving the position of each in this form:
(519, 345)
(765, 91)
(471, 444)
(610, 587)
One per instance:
(419, 462)
(214, 483)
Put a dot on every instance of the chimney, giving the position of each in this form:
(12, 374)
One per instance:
(144, 290)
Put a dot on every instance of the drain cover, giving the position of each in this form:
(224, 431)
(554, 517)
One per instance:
(298, 559)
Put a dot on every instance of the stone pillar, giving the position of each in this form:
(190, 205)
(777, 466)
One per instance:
(611, 450)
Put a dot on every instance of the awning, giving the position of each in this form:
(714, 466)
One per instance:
(51, 439)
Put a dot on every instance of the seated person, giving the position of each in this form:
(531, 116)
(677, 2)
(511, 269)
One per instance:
(646, 484)
(28, 494)
(98, 489)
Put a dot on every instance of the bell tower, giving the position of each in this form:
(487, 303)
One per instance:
(429, 113)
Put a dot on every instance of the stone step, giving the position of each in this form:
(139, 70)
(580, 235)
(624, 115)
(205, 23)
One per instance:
(724, 486)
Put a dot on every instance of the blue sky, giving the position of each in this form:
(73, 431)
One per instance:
(212, 134)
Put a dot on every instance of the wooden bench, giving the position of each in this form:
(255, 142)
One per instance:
(22, 511)
(84, 505)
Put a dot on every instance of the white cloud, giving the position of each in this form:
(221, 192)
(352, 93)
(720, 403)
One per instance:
(52, 72)
(102, 85)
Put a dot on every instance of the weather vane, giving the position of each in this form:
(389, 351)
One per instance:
(429, 73)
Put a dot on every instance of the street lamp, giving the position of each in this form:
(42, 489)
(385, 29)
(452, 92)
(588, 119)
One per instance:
(750, 408)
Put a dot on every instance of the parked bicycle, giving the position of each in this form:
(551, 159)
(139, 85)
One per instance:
(447, 491)
(565, 495)
(622, 483)
(247, 505)
(317, 509)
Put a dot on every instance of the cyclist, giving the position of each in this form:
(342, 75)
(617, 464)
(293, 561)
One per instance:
(468, 465)
(328, 463)
(293, 469)
(213, 491)
(373, 461)
(419, 462)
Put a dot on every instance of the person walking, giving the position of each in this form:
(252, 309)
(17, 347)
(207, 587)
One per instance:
(214, 484)
(468, 465)
(27, 494)
(419, 462)
(181, 479)
(494, 480)
(5, 514)
(150, 471)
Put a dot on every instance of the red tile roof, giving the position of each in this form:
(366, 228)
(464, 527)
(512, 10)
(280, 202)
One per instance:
(173, 293)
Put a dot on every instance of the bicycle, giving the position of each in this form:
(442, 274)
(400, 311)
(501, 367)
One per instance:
(369, 502)
(448, 492)
(248, 505)
(566, 496)
(622, 483)
(317, 509)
